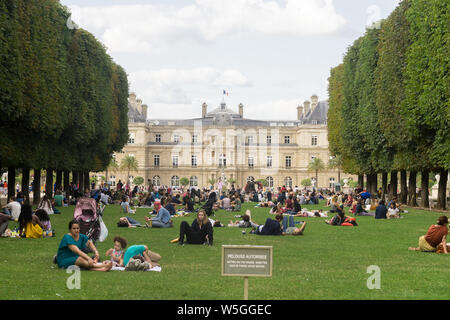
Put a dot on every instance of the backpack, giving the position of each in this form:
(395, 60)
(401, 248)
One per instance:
(349, 222)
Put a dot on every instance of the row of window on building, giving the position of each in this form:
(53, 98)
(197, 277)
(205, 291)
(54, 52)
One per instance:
(193, 181)
(249, 140)
(223, 161)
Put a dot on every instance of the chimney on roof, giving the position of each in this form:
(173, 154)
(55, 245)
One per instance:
(241, 110)
(204, 109)
(144, 111)
(314, 101)
(299, 112)
(306, 105)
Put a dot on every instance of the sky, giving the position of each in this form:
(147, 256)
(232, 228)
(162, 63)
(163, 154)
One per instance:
(269, 55)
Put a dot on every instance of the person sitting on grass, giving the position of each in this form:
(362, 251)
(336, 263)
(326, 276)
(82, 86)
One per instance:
(4, 221)
(30, 225)
(125, 206)
(393, 212)
(381, 210)
(360, 211)
(162, 219)
(45, 221)
(46, 204)
(70, 251)
(200, 231)
(117, 253)
(436, 235)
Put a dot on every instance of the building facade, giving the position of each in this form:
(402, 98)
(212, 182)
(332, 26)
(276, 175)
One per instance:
(224, 145)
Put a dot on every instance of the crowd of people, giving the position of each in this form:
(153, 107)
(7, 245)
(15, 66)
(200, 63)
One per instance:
(166, 203)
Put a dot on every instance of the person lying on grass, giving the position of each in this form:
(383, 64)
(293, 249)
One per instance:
(245, 223)
(70, 251)
(128, 222)
(274, 227)
(141, 252)
(436, 235)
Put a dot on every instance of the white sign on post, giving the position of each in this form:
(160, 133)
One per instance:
(246, 261)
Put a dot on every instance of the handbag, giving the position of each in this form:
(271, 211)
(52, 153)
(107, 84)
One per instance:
(103, 230)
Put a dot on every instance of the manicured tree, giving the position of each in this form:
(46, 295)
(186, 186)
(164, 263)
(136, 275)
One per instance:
(427, 84)
(359, 160)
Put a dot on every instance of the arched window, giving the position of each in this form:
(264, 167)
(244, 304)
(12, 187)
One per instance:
(288, 182)
(269, 182)
(250, 179)
(175, 181)
(193, 181)
(156, 181)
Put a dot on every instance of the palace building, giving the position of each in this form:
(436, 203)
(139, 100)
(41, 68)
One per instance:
(224, 145)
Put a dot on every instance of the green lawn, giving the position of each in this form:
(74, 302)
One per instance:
(326, 263)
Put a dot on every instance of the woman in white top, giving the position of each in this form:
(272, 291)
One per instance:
(46, 205)
(393, 211)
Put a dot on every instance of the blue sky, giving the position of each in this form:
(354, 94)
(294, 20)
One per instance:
(269, 55)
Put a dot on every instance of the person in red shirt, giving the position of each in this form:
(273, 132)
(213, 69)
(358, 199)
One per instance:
(436, 235)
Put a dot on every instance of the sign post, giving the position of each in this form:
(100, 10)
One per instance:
(246, 261)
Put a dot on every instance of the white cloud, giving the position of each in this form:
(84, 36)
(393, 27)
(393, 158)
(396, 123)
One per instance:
(173, 86)
(144, 28)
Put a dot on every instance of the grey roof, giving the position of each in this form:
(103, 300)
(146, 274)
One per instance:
(319, 114)
(232, 118)
(134, 115)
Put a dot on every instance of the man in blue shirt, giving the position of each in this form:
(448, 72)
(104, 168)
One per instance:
(162, 219)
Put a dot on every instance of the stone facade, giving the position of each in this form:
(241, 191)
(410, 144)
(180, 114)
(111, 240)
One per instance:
(222, 143)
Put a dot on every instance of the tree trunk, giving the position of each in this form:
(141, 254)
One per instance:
(106, 178)
(58, 183)
(49, 183)
(26, 184)
(393, 185)
(66, 181)
(412, 185)
(372, 183)
(81, 181)
(361, 181)
(317, 179)
(11, 182)
(404, 187)
(87, 183)
(339, 175)
(37, 186)
(75, 178)
(442, 191)
(384, 182)
(425, 194)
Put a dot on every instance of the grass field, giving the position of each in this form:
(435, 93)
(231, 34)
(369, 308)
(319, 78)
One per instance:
(326, 263)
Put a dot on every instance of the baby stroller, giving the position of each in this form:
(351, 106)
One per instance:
(88, 219)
